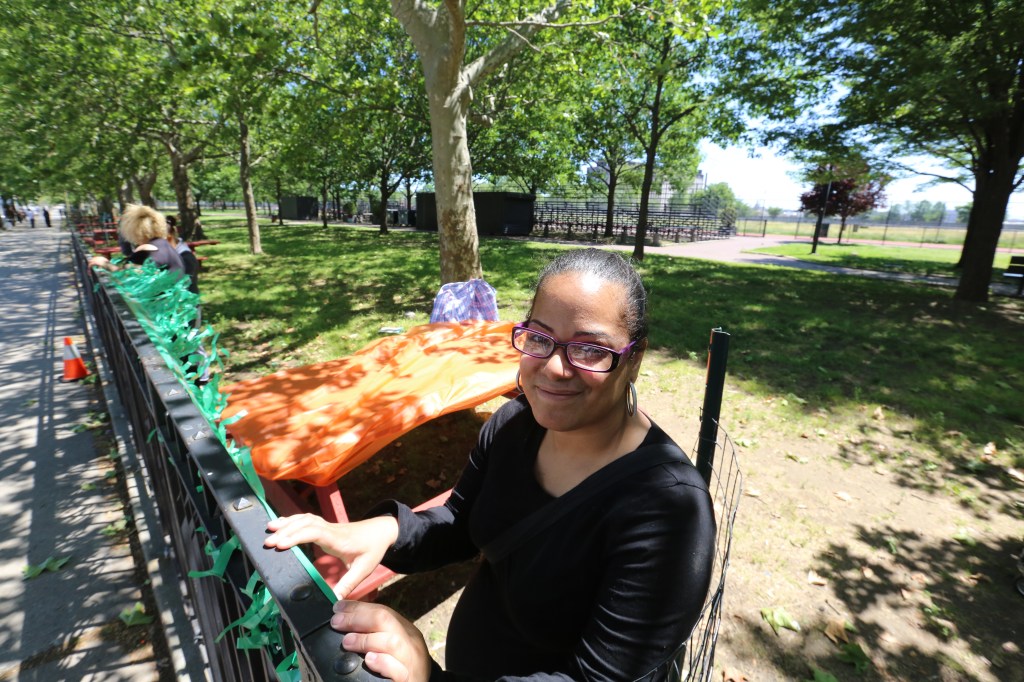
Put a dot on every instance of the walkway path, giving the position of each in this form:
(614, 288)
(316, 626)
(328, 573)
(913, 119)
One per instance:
(739, 250)
(57, 492)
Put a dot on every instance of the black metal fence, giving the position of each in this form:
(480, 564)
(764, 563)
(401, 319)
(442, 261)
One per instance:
(203, 498)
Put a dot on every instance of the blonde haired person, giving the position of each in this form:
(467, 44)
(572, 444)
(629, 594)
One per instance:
(146, 230)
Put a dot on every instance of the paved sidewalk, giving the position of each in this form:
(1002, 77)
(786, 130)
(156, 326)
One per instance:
(737, 250)
(55, 494)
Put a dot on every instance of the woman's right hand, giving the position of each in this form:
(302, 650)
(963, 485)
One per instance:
(360, 545)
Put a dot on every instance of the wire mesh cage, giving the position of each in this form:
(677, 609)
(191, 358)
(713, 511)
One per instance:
(725, 487)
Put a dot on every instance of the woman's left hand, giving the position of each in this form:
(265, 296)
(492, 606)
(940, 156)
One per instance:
(392, 646)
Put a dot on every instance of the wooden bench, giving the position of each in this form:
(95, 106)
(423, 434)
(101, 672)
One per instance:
(1016, 271)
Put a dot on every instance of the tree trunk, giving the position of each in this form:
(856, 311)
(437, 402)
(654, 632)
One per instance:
(245, 176)
(382, 210)
(984, 225)
(645, 195)
(107, 207)
(323, 202)
(145, 183)
(408, 200)
(277, 194)
(609, 217)
(842, 226)
(453, 186)
(124, 195)
(187, 213)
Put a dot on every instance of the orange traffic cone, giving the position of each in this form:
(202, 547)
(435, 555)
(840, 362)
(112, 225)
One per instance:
(74, 368)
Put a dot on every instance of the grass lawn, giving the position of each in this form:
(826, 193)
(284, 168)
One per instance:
(910, 260)
(878, 425)
(822, 341)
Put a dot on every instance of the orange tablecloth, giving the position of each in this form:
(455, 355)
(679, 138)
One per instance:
(317, 423)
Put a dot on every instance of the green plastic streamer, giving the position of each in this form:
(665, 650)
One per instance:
(221, 556)
(166, 310)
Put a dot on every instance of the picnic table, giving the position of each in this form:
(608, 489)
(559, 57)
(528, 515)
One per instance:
(109, 251)
(314, 424)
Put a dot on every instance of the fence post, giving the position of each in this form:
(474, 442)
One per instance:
(714, 383)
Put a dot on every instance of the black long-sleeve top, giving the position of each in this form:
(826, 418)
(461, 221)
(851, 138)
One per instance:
(607, 592)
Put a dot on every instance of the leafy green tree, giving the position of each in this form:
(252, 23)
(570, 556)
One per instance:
(844, 197)
(523, 125)
(917, 78)
(963, 213)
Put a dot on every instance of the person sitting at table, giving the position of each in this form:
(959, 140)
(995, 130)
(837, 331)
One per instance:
(613, 575)
(188, 257)
(145, 229)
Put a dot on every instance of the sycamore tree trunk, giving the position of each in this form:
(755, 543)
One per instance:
(323, 202)
(984, 225)
(408, 200)
(124, 195)
(645, 190)
(609, 217)
(439, 33)
(382, 208)
(188, 226)
(277, 195)
(245, 176)
(145, 183)
(842, 227)
(453, 184)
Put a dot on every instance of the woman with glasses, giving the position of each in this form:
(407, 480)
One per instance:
(596, 532)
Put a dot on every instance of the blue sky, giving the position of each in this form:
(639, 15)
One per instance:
(768, 179)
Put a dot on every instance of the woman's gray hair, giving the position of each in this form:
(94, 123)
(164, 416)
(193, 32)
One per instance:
(142, 224)
(609, 267)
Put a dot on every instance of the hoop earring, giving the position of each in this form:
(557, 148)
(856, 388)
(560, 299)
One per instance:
(631, 400)
(519, 385)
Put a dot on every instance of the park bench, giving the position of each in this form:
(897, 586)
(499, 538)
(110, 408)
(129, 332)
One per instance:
(1016, 271)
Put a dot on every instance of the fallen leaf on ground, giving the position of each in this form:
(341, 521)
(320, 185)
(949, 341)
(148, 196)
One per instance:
(752, 492)
(777, 617)
(845, 497)
(135, 615)
(972, 579)
(822, 676)
(964, 537)
(836, 630)
(733, 675)
(855, 656)
(50, 564)
(815, 579)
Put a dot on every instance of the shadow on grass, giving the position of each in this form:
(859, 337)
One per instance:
(967, 597)
(826, 341)
(834, 341)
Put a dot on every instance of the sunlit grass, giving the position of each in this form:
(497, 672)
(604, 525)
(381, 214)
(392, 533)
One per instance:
(915, 261)
(805, 339)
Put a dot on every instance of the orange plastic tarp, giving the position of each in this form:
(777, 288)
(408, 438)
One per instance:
(317, 423)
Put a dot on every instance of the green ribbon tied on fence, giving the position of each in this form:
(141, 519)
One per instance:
(168, 311)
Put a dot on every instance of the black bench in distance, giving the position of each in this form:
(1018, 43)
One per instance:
(1016, 270)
